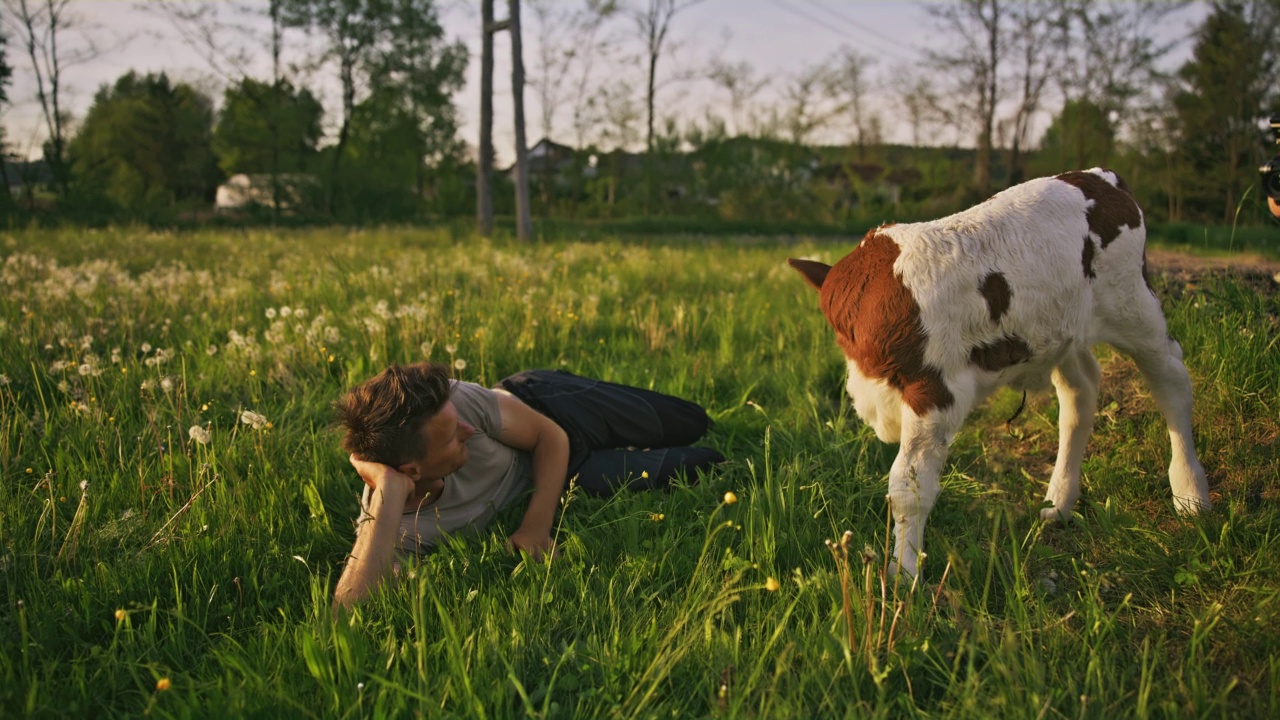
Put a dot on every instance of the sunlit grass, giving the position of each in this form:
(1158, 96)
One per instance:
(175, 510)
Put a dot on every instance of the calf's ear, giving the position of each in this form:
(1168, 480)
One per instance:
(813, 271)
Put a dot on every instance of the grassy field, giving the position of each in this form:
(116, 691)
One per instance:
(144, 571)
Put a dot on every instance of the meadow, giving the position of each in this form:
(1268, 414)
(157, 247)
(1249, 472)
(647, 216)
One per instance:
(175, 511)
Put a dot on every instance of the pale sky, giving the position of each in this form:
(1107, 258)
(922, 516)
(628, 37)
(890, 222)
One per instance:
(779, 38)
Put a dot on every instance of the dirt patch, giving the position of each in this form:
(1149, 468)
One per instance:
(1259, 273)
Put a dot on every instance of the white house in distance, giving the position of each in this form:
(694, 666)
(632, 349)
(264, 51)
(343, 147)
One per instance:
(243, 191)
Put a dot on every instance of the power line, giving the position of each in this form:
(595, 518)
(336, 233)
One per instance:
(826, 25)
(872, 32)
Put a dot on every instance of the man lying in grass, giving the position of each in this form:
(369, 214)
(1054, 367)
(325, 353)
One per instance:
(441, 456)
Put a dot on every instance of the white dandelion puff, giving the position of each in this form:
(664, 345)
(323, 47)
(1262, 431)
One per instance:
(285, 311)
(253, 419)
(146, 348)
(459, 364)
(271, 313)
(451, 348)
(199, 434)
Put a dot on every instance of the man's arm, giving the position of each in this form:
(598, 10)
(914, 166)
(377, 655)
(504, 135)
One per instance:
(371, 558)
(526, 429)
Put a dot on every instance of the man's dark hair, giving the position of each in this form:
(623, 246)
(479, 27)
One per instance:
(383, 416)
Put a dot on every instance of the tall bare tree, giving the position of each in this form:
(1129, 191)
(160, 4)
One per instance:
(742, 84)
(524, 220)
(848, 84)
(1036, 58)
(653, 23)
(484, 161)
(917, 97)
(54, 40)
(972, 67)
(569, 41)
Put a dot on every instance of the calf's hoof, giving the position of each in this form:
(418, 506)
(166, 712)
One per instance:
(1053, 514)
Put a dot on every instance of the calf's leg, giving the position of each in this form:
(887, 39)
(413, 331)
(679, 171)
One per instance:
(1077, 380)
(1159, 359)
(914, 483)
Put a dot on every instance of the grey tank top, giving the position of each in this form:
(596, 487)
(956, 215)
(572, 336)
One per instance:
(494, 476)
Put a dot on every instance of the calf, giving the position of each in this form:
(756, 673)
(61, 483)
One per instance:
(934, 316)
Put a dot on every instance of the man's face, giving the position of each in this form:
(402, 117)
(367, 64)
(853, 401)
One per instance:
(446, 435)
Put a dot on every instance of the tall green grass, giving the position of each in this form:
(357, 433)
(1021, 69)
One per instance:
(145, 572)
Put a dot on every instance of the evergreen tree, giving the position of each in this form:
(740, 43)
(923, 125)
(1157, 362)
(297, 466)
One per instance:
(146, 145)
(265, 129)
(1224, 93)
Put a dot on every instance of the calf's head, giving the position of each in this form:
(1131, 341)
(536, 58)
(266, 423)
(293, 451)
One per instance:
(877, 325)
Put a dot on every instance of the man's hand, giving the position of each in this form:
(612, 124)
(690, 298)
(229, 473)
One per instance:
(539, 545)
(371, 560)
(377, 475)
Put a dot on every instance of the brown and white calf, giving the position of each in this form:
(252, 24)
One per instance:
(934, 316)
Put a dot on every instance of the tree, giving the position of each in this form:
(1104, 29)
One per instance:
(1035, 61)
(740, 82)
(918, 98)
(568, 44)
(42, 28)
(1225, 90)
(848, 85)
(1080, 136)
(218, 31)
(1109, 55)
(146, 145)
(351, 30)
(6, 201)
(524, 220)
(973, 67)
(5, 70)
(653, 22)
(419, 65)
(266, 129)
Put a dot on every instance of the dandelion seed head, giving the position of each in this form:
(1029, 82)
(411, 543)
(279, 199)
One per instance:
(145, 347)
(451, 348)
(199, 434)
(271, 313)
(459, 364)
(255, 420)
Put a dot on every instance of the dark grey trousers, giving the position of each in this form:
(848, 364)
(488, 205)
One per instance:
(619, 436)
